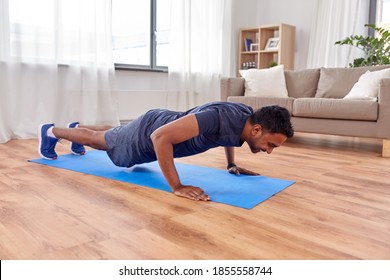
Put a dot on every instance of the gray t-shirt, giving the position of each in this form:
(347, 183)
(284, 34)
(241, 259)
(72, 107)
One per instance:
(220, 124)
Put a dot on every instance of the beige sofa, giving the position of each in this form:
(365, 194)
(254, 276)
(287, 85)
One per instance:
(315, 101)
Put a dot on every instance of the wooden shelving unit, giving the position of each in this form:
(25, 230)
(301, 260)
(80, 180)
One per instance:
(259, 56)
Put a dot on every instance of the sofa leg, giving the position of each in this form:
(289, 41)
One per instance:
(386, 148)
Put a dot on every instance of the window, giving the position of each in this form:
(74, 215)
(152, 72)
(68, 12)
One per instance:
(380, 13)
(31, 33)
(64, 32)
(383, 14)
(140, 33)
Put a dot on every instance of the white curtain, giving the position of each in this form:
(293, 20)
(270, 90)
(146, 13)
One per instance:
(200, 51)
(55, 64)
(335, 20)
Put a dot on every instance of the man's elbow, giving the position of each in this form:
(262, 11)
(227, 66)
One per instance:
(157, 137)
(154, 136)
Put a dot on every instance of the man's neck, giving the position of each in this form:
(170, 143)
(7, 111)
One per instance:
(246, 131)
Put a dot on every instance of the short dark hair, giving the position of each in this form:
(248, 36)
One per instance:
(274, 119)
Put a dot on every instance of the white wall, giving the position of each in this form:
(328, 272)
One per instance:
(295, 12)
(136, 92)
(244, 15)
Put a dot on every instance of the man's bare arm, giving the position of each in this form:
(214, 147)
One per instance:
(229, 153)
(163, 140)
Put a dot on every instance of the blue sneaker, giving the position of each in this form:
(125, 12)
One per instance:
(47, 144)
(76, 148)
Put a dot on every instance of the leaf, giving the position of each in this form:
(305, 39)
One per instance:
(376, 49)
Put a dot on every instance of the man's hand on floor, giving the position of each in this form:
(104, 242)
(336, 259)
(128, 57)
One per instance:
(239, 170)
(191, 192)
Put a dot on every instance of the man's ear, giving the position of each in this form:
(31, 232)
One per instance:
(256, 129)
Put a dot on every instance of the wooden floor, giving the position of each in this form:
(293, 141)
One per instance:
(339, 208)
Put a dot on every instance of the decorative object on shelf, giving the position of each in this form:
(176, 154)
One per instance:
(272, 44)
(377, 50)
(254, 47)
(248, 43)
(249, 65)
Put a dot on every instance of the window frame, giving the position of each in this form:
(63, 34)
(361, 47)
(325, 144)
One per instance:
(152, 67)
(372, 16)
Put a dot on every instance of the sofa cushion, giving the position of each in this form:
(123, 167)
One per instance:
(337, 82)
(258, 102)
(268, 82)
(302, 83)
(368, 85)
(330, 108)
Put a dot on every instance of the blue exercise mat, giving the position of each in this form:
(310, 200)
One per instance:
(241, 191)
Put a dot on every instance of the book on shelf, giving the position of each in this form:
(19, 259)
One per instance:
(247, 43)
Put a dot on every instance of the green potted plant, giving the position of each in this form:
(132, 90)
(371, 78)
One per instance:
(273, 64)
(377, 50)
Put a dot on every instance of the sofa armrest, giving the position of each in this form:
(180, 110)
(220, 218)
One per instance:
(384, 108)
(232, 87)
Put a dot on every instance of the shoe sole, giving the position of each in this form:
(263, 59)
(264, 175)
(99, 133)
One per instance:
(76, 154)
(40, 142)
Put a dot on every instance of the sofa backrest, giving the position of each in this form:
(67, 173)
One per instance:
(337, 82)
(302, 83)
(325, 82)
